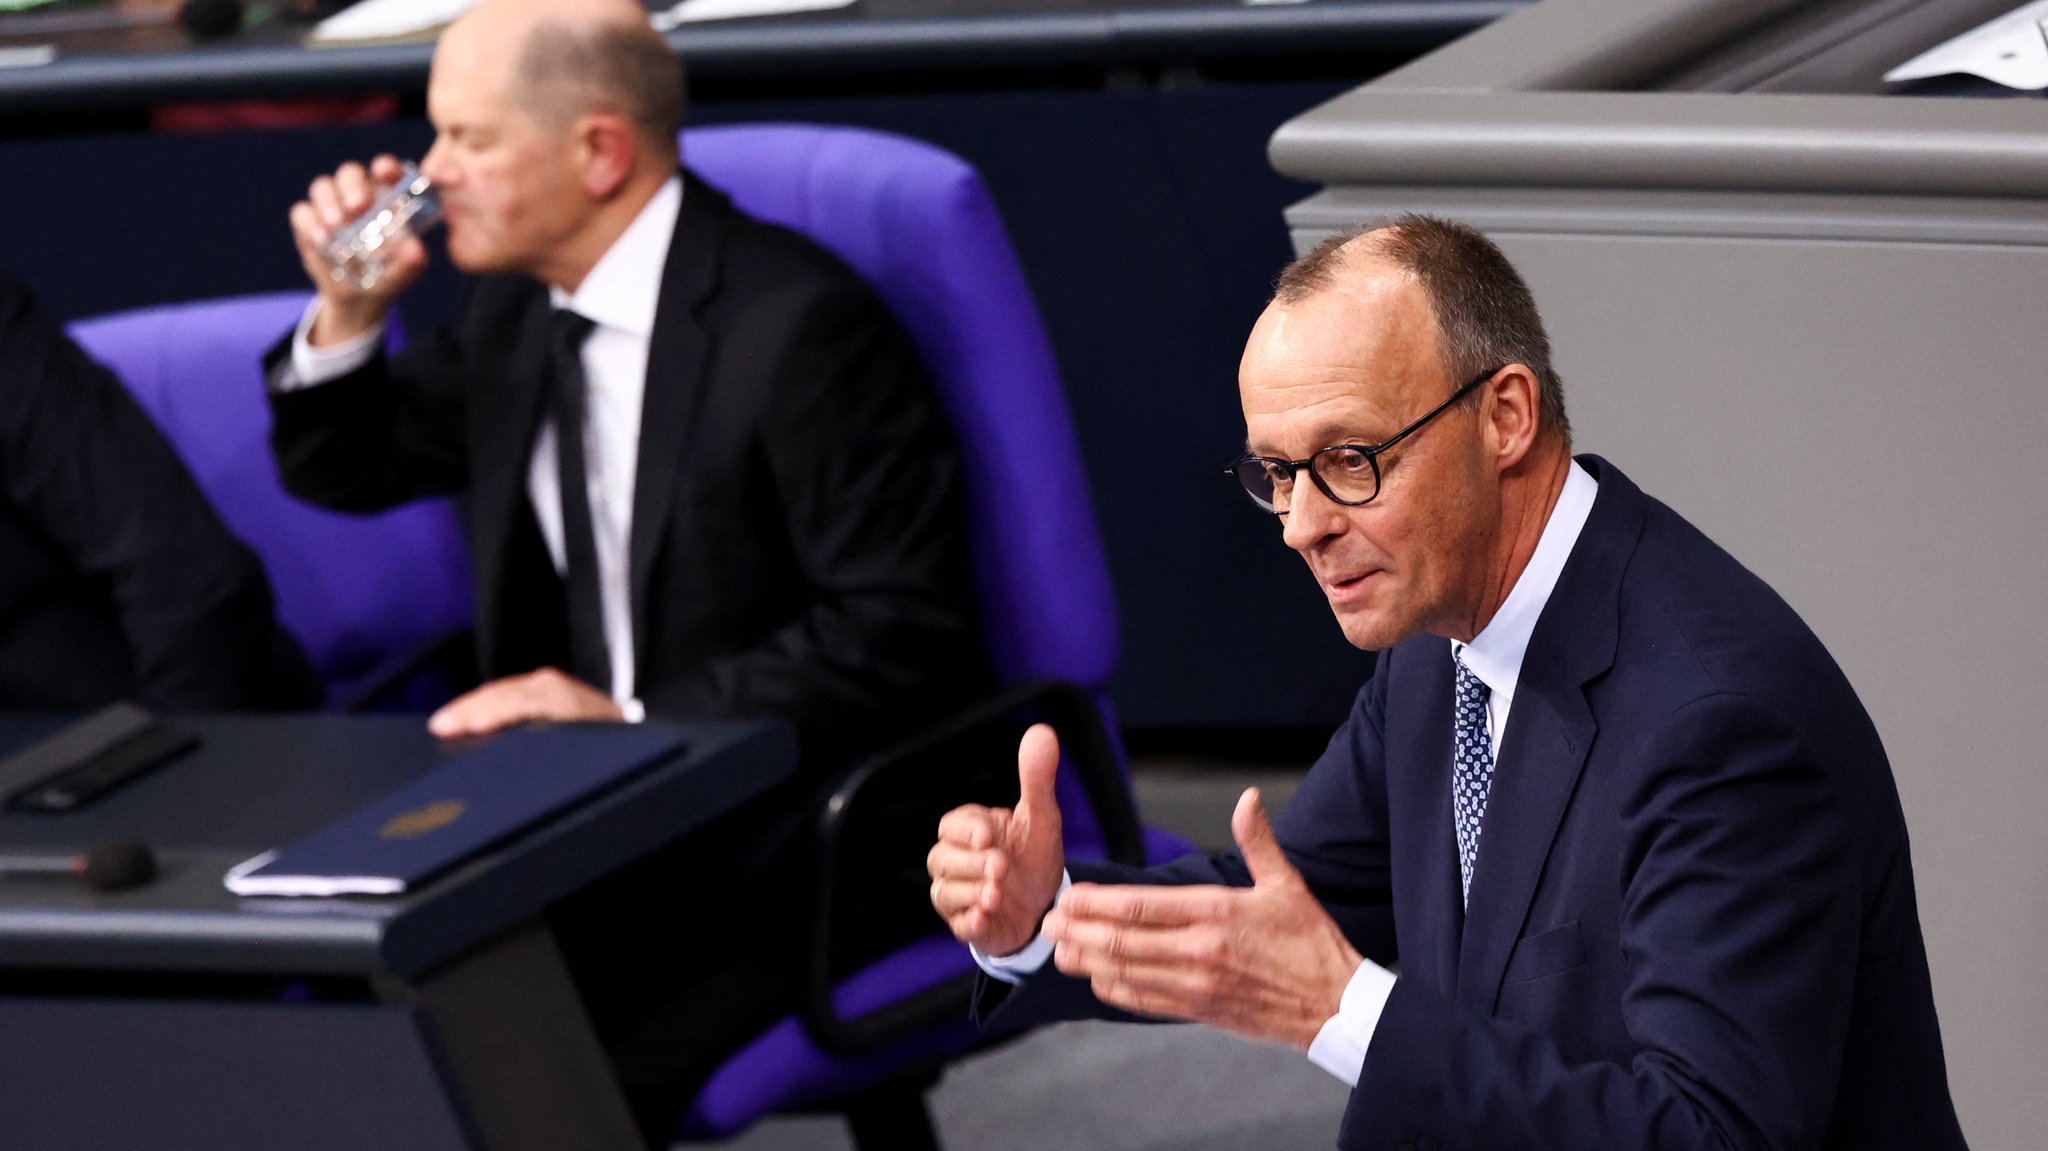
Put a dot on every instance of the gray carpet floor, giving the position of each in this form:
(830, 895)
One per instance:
(1109, 1087)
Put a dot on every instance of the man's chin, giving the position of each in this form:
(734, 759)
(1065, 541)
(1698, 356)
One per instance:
(474, 260)
(1370, 630)
(470, 265)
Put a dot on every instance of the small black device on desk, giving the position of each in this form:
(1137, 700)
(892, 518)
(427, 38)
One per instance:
(79, 763)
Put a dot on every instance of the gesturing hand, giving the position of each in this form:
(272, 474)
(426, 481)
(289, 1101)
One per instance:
(1265, 961)
(996, 870)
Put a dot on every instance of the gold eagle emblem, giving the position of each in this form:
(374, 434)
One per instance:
(421, 820)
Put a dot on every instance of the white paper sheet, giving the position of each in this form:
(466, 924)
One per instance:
(2011, 50)
(692, 11)
(240, 882)
(27, 55)
(372, 20)
(387, 20)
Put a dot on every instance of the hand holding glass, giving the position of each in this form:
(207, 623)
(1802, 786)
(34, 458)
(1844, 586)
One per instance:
(357, 251)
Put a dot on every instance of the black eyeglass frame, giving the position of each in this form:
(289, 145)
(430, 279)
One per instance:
(1371, 452)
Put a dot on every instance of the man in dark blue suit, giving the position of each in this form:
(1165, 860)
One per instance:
(1607, 802)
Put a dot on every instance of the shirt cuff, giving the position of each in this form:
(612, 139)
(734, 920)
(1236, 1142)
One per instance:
(1339, 1048)
(1014, 967)
(633, 710)
(311, 366)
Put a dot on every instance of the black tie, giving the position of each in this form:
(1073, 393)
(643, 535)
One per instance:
(588, 660)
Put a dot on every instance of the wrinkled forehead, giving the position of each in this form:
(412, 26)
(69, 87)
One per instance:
(1353, 358)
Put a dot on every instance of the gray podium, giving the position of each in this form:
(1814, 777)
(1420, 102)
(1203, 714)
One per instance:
(1814, 319)
(178, 1017)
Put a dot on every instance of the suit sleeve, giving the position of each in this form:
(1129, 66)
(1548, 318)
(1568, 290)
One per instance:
(389, 432)
(1333, 831)
(80, 458)
(867, 477)
(1738, 920)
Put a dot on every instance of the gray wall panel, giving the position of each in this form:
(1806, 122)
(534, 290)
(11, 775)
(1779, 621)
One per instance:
(1841, 419)
(1687, 141)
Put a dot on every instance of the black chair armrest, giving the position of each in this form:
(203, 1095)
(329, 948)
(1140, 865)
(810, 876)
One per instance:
(879, 821)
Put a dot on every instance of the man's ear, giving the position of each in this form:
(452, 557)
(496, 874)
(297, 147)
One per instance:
(1513, 413)
(608, 148)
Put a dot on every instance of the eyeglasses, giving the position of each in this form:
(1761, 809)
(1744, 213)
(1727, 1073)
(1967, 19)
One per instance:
(1347, 473)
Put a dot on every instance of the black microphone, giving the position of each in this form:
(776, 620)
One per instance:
(210, 19)
(111, 866)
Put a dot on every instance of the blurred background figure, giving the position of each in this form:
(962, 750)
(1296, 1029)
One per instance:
(117, 579)
(766, 518)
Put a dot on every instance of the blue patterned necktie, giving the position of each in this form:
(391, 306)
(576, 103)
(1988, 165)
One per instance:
(1471, 770)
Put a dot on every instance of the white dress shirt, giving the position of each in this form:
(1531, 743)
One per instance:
(619, 296)
(1495, 656)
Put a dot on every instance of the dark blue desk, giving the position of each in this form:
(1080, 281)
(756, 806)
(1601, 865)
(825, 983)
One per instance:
(177, 1015)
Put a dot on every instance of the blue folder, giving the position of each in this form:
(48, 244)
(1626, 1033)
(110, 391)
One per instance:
(472, 802)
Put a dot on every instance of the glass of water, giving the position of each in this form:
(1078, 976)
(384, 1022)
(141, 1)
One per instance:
(357, 250)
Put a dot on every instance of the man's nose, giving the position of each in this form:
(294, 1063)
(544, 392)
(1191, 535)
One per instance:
(435, 167)
(1311, 517)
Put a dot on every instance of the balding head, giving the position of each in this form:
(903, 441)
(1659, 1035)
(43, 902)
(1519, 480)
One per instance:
(1415, 513)
(555, 126)
(561, 59)
(1485, 315)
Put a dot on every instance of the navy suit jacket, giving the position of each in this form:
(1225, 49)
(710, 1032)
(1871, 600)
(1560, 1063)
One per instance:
(1692, 921)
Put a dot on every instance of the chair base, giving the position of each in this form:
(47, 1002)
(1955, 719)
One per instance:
(892, 1116)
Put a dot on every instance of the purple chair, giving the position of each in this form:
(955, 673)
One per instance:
(365, 595)
(919, 225)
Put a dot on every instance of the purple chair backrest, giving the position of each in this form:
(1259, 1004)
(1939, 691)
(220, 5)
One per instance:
(918, 224)
(357, 591)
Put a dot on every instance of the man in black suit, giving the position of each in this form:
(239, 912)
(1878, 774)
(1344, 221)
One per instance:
(763, 518)
(773, 524)
(1681, 912)
(117, 579)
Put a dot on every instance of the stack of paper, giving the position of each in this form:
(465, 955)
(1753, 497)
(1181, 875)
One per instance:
(692, 11)
(374, 21)
(2011, 50)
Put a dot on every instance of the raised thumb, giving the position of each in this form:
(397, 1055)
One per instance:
(1255, 841)
(1038, 764)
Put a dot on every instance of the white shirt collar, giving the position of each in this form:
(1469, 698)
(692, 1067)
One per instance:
(624, 286)
(1495, 654)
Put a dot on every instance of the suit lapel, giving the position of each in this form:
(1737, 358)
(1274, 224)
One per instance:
(1550, 730)
(675, 388)
(506, 423)
(1419, 725)
(1541, 756)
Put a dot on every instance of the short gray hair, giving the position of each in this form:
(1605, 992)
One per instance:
(567, 69)
(1484, 310)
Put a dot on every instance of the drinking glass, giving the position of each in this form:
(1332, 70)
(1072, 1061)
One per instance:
(357, 250)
